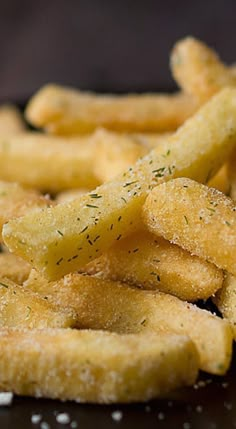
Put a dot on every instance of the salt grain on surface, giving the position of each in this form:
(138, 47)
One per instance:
(6, 398)
(117, 415)
(36, 418)
(63, 418)
(44, 425)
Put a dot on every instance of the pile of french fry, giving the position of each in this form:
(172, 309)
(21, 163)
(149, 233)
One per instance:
(119, 214)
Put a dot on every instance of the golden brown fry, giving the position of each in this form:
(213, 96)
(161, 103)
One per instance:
(198, 69)
(22, 308)
(11, 120)
(15, 201)
(63, 110)
(225, 300)
(202, 220)
(95, 366)
(221, 180)
(14, 268)
(108, 305)
(62, 239)
(151, 262)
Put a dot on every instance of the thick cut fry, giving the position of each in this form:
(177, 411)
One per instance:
(225, 300)
(107, 305)
(11, 120)
(62, 239)
(202, 220)
(46, 162)
(198, 69)
(70, 195)
(151, 262)
(16, 201)
(69, 111)
(14, 268)
(221, 180)
(95, 366)
(22, 308)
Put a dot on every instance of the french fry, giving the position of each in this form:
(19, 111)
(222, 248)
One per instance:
(15, 201)
(22, 308)
(111, 306)
(70, 195)
(225, 300)
(11, 120)
(62, 110)
(14, 268)
(202, 220)
(221, 180)
(150, 262)
(198, 69)
(64, 238)
(95, 366)
(47, 163)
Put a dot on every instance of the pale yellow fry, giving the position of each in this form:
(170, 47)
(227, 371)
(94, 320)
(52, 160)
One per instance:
(202, 220)
(14, 268)
(63, 110)
(232, 175)
(11, 120)
(64, 238)
(22, 308)
(47, 162)
(95, 366)
(151, 262)
(198, 69)
(225, 300)
(15, 201)
(108, 305)
(221, 180)
(70, 195)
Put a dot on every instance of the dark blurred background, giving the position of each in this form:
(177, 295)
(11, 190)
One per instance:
(104, 45)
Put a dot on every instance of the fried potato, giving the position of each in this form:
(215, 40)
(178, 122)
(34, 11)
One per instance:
(14, 268)
(11, 120)
(221, 180)
(47, 163)
(111, 306)
(150, 262)
(225, 300)
(64, 238)
(70, 195)
(22, 308)
(94, 366)
(15, 201)
(198, 69)
(62, 110)
(202, 220)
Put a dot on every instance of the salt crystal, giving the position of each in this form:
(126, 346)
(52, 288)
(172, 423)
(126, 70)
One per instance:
(6, 398)
(199, 408)
(63, 418)
(74, 424)
(147, 408)
(36, 418)
(161, 416)
(44, 425)
(117, 415)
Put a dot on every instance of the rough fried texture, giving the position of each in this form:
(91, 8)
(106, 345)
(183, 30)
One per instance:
(232, 175)
(14, 268)
(221, 180)
(22, 308)
(95, 366)
(68, 111)
(111, 306)
(202, 220)
(198, 69)
(151, 262)
(225, 300)
(62, 239)
(15, 201)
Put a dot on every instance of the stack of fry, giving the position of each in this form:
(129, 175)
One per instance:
(119, 214)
